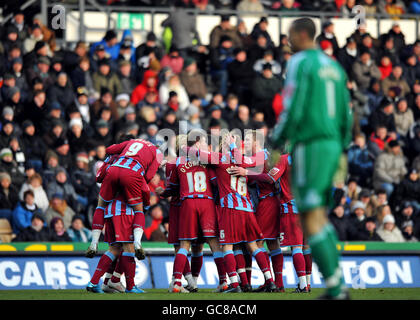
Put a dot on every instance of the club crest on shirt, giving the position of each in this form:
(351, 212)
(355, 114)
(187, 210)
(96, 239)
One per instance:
(273, 171)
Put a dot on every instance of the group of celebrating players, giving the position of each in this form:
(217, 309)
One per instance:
(210, 201)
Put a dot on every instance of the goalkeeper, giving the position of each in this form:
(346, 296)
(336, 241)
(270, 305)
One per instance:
(316, 121)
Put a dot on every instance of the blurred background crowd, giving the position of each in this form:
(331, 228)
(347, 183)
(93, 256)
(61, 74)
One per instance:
(60, 107)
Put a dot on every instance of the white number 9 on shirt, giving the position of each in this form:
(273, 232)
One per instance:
(134, 148)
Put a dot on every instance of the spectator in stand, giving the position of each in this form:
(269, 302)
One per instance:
(61, 92)
(24, 211)
(78, 232)
(220, 58)
(33, 145)
(18, 154)
(389, 232)
(58, 231)
(152, 230)
(184, 32)
(58, 208)
(62, 185)
(34, 183)
(364, 70)
(82, 178)
(174, 85)
(387, 48)
(100, 54)
(258, 49)
(223, 30)
(393, 8)
(415, 6)
(214, 113)
(192, 80)
(35, 232)
(404, 118)
(8, 196)
(370, 7)
(40, 70)
(110, 43)
(264, 88)
(328, 34)
(242, 120)
(368, 232)
(340, 222)
(6, 133)
(37, 110)
(105, 78)
(148, 84)
(384, 116)
(357, 219)
(126, 75)
(144, 49)
(231, 108)
(106, 100)
(409, 190)
(250, 6)
(347, 55)
(385, 66)
(360, 160)
(407, 220)
(268, 58)
(8, 165)
(289, 6)
(378, 140)
(395, 79)
(390, 168)
(173, 60)
(261, 28)
(241, 75)
(77, 137)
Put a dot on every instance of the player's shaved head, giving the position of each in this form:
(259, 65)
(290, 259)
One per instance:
(304, 25)
(302, 34)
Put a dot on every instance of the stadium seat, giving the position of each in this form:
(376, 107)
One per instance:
(6, 232)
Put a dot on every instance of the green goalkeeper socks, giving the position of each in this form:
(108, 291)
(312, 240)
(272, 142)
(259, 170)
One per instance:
(324, 252)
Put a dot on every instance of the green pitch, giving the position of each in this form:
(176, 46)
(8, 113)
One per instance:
(207, 294)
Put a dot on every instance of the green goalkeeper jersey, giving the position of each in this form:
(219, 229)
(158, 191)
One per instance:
(316, 101)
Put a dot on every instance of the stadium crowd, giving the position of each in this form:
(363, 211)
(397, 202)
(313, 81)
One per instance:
(61, 107)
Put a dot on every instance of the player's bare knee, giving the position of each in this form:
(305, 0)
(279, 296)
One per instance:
(273, 245)
(128, 247)
(185, 245)
(115, 249)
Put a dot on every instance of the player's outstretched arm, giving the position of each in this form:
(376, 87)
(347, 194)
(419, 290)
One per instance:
(253, 176)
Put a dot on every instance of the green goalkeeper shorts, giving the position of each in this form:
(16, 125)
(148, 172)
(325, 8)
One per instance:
(313, 169)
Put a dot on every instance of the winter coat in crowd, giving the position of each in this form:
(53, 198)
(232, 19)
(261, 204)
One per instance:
(391, 236)
(389, 168)
(60, 210)
(403, 121)
(360, 161)
(22, 216)
(363, 74)
(41, 199)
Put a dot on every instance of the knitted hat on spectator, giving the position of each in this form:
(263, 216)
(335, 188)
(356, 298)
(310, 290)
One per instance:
(59, 170)
(44, 60)
(102, 124)
(104, 61)
(11, 29)
(8, 111)
(10, 92)
(225, 38)
(122, 96)
(5, 175)
(55, 106)
(39, 45)
(188, 61)
(76, 122)
(57, 196)
(100, 47)
(325, 44)
(130, 110)
(358, 205)
(8, 76)
(82, 156)
(151, 37)
(37, 216)
(389, 218)
(364, 193)
(26, 124)
(5, 152)
(60, 142)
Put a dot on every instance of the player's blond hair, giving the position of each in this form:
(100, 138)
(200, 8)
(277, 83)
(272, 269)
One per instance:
(180, 141)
